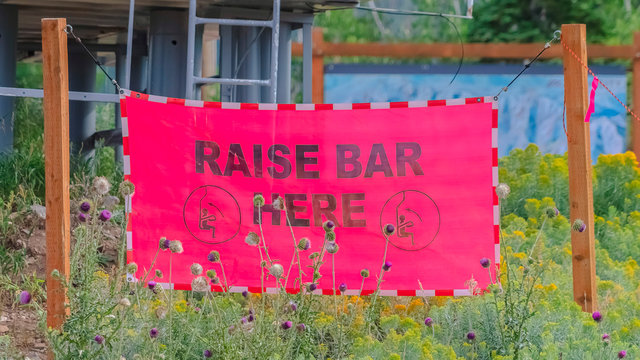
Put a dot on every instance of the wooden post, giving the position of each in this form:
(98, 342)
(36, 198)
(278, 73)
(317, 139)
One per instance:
(55, 73)
(579, 144)
(317, 66)
(635, 86)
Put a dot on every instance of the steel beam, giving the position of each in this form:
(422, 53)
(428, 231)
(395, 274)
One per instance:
(8, 36)
(82, 114)
(168, 44)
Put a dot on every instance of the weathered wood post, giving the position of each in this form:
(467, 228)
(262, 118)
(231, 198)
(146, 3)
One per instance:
(55, 73)
(579, 145)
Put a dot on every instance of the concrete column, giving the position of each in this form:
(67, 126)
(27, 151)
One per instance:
(284, 64)
(82, 114)
(167, 49)
(121, 62)
(8, 35)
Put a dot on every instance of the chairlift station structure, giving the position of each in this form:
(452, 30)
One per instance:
(161, 47)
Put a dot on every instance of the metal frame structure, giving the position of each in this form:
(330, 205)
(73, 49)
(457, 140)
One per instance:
(276, 52)
(193, 80)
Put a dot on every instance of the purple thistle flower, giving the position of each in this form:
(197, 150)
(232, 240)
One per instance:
(245, 294)
(286, 325)
(244, 320)
(251, 318)
(25, 297)
(293, 306)
(312, 287)
(597, 317)
(471, 335)
(99, 339)
(342, 288)
(485, 263)
(153, 333)
(605, 337)
(389, 229)
(207, 353)
(105, 215)
(301, 327)
(82, 217)
(85, 207)
(151, 284)
(164, 243)
(387, 265)
(622, 354)
(428, 321)
(328, 225)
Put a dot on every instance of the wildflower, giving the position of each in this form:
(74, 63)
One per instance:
(207, 353)
(622, 354)
(231, 329)
(105, 215)
(502, 190)
(153, 333)
(251, 318)
(312, 287)
(196, 269)
(552, 212)
(387, 265)
(331, 247)
(276, 270)
(597, 317)
(99, 339)
(293, 306)
(286, 325)
(389, 229)
(328, 225)
(126, 188)
(151, 285)
(176, 247)
(258, 200)
(278, 203)
(158, 273)
(429, 322)
(301, 327)
(82, 217)
(579, 225)
(132, 268)
(471, 335)
(342, 287)
(25, 297)
(101, 185)
(605, 337)
(215, 280)
(485, 263)
(304, 244)
(211, 273)
(213, 256)
(164, 243)
(200, 284)
(245, 294)
(124, 302)
(244, 320)
(85, 207)
(330, 236)
(364, 273)
(252, 239)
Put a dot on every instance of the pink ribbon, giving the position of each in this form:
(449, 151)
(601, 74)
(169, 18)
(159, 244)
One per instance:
(592, 98)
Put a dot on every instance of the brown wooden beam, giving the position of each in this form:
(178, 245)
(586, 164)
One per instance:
(55, 73)
(579, 154)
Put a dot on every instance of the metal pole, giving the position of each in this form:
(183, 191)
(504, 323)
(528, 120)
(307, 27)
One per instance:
(284, 65)
(8, 36)
(127, 79)
(275, 39)
(82, 114)
(307, 58)
(191, 36)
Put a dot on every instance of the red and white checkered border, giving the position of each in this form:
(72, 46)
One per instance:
(316, 107)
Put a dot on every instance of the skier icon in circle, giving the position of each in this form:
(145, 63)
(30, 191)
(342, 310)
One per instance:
(211, 214)
(416, 218)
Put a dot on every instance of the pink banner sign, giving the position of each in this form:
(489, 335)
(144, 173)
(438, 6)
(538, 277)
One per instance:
(428, 168)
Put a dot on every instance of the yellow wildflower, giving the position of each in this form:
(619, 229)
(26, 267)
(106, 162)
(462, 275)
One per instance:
(180, 306)
(400, 307)
(415, 304)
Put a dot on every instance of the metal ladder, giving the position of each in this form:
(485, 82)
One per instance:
(193, 80)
